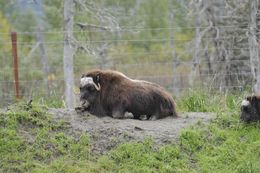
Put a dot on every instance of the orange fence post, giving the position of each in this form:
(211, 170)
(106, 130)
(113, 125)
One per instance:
(15, 63)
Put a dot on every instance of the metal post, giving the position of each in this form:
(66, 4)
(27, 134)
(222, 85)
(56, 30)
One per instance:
(15, 63)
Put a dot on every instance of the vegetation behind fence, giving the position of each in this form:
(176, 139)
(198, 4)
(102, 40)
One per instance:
(181, 45)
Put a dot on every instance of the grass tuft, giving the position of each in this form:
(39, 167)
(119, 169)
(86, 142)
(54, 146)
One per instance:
(31, 141)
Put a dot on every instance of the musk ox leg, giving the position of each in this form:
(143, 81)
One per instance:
(154, 117)
(79, 109)
(148, 117)
(141, 117)
(118, 113)
(136, 117)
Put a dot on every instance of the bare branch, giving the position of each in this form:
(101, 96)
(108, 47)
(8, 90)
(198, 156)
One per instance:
(92, 26)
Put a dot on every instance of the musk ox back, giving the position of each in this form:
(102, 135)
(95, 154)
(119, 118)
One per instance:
(106, 92)
(250, 109)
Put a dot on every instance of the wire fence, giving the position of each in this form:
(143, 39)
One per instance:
(174, 73)
(177, 84)
(133, 28)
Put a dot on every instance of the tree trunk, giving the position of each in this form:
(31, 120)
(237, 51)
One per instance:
(196, 56)
(68, 53)
(254, 47)
(44, 59)
(175, 86)
(199, 8)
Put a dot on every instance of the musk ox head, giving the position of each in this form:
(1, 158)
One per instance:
(250, 109)
(89, 90)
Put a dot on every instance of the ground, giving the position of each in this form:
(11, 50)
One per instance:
(31, 140)
(106, 132)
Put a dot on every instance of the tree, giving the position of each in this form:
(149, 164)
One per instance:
(5, 60)
(68, 53)
(254, 44)
(44, 59)
(223, 45)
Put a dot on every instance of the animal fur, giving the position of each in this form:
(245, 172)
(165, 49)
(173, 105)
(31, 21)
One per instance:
(107, 92)
(250, 109)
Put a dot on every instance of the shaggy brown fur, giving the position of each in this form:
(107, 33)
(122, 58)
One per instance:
(119, 94)
(250, 109)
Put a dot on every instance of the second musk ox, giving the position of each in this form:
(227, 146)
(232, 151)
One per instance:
(250, 109)
(107, 92)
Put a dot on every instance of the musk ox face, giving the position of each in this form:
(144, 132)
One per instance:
(89, 91)
(250, 109)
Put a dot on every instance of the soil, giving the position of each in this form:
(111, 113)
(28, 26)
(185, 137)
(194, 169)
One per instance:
(106, 132)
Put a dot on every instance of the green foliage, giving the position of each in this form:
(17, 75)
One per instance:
(31, 141)
(229, 149)
(208, 101)
(143, 157)
(52, 101)
(225, 145)
(190, 140)
(54, 13)
(5, 72)
(149, 46)
(197, 101)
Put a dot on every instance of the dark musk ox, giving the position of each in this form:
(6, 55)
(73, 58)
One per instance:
(250, 109)
(107, 92)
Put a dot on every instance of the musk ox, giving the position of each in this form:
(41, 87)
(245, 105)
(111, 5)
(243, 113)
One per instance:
(250, 109)
(107, 92)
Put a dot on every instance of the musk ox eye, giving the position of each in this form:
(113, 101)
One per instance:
(97, 78)
(90, 88)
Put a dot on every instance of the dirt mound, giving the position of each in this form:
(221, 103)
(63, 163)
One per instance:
(106, 132)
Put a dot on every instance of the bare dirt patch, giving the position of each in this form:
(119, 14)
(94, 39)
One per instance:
(106, 132)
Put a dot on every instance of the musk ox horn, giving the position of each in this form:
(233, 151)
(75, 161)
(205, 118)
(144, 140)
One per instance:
(245, 103)
(89, 80)
(98, 87)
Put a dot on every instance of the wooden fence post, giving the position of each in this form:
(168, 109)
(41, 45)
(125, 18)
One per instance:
(15, 64)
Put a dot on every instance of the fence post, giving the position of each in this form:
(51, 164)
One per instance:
(15, 63)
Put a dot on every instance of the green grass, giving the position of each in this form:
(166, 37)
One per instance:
(52, 101)
(30, 141)
(205, 101)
